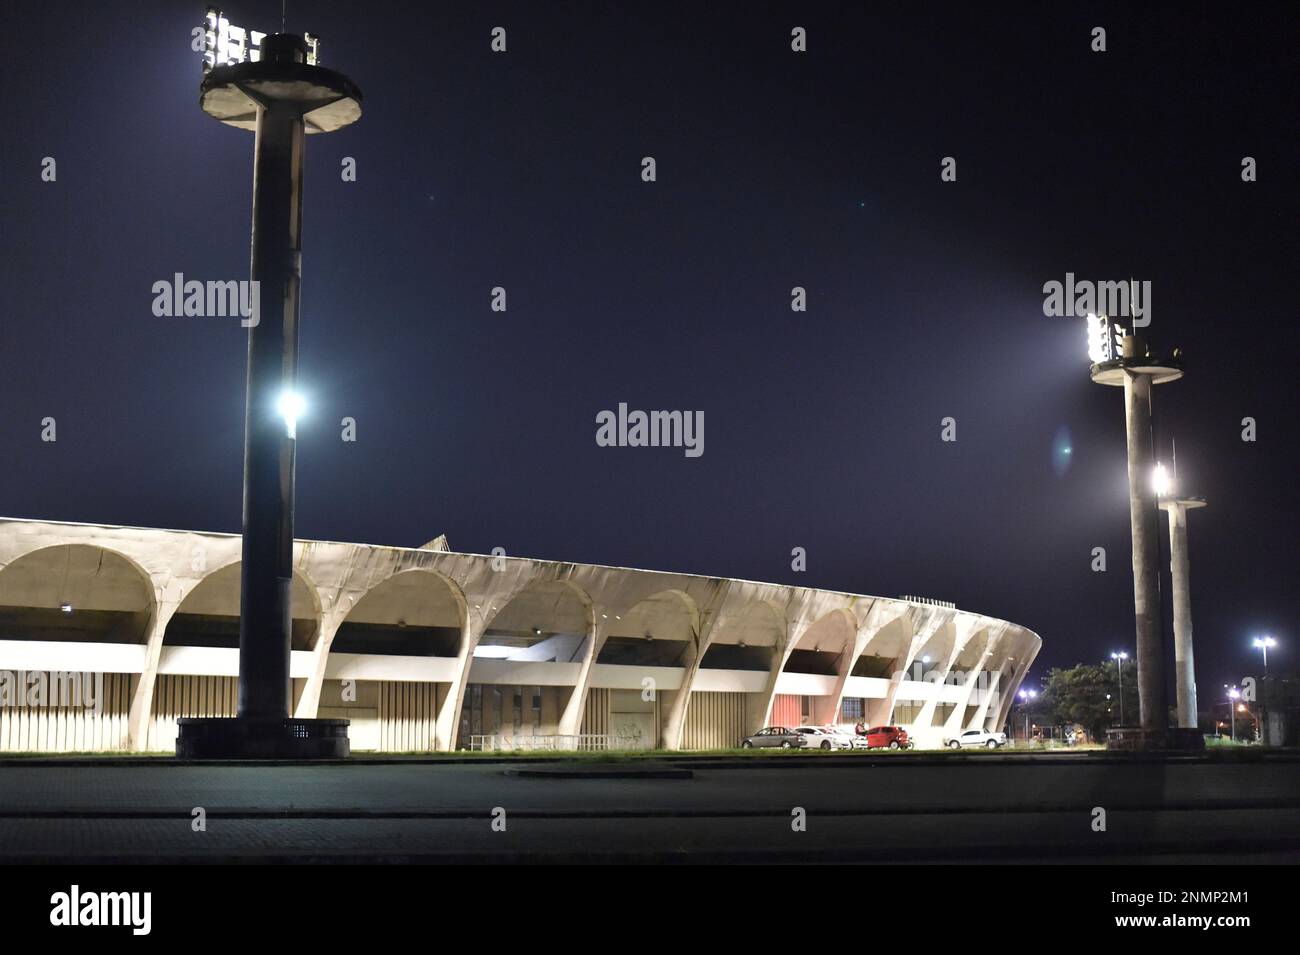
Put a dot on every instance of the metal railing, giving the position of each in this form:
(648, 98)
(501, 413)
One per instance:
(578, 742)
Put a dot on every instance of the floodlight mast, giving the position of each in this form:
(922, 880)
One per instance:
(1176, 505)
(1126, 361)
(279, 94)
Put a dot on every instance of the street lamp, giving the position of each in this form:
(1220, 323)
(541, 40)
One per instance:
(1120, 357)
(1119, 659)
(1233, 695)
(1025, 697)
(1263, 643)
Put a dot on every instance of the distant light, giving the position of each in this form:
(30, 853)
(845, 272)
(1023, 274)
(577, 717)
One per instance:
(291, 407)
(925, 659)
(1119, 656)
(1261, 642)
(1160, 480)
(66, 608)
(1234, 693)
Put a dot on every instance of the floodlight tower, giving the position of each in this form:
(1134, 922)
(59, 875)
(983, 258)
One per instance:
(1176, 506)
(1123, 360)
(273, 86)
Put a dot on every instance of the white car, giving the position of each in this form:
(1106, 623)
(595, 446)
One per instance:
(977, 738)
(824, 737)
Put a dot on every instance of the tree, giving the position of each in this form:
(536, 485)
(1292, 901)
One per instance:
(1087, 694)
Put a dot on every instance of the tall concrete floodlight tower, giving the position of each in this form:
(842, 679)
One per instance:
(1123, 360)
(1176, 506)
(272, 86)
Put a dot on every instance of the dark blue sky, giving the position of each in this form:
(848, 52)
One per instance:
(775, 169)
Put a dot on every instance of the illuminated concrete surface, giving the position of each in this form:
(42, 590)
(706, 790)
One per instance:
(445, 648)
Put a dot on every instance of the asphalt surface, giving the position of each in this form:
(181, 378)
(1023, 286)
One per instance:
(976, 809)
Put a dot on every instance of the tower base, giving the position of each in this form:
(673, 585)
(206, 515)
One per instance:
(250, 738)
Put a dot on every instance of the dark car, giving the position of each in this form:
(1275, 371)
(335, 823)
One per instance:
(887, 737)
(781, 736)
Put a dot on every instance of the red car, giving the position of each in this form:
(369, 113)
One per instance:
(891, 737)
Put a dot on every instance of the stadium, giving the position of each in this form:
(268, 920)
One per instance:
(424, 649)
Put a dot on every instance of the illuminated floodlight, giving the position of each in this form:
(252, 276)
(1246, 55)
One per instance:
(291, 407)
(225, 44)
(1161, 481)
(1097, 338)
(66, 608)
(1105, 339)
(1234, 693)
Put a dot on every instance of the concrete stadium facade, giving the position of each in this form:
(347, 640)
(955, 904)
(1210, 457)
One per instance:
(424, 649)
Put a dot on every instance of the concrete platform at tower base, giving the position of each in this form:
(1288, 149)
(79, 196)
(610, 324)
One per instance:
(251, 738)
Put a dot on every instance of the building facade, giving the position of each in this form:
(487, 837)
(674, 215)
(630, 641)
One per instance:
(108, 635)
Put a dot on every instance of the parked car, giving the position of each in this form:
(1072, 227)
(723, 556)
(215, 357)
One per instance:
(887, 737)
(848, 735)
(781, 736)
(980, 738)
(825, 737)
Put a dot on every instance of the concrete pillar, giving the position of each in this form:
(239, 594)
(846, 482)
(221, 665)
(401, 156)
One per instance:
(1007, 694)
(883, 712)
(758, 706)
(1180, 572)
(674, 723)
(141, 711)
(1143, 520)
(266, 571)
(571, 719)
(309, 702)
(923, 726)
(447, 724)
(956, 721)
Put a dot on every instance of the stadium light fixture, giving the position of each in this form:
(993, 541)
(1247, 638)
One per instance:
(225, 44)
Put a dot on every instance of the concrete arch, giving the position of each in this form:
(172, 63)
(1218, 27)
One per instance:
(419, 598)
(670, 616)
(217, 595)
(554, 606)
(423, 598)
(119, 595)
(544, 619)
(48, 577)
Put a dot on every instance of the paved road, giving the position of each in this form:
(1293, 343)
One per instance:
(887, 809)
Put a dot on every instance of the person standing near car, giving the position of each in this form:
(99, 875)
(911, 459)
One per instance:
(861, 728)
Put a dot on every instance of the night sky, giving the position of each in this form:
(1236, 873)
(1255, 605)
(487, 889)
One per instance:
(775, 169)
